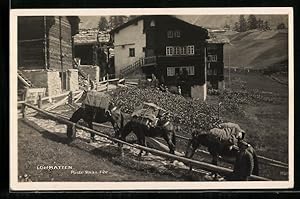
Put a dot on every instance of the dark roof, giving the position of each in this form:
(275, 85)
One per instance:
(134, 20)
(90, 37)
(128, 23)
(215, 38)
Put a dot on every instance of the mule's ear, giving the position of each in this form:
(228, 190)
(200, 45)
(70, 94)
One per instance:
(243, 134)
(108, 113)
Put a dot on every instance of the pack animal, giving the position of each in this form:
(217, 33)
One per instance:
(90, 114)
(127, 124)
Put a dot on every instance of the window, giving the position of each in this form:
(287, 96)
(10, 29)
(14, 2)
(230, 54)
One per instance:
(169, 50)
(212, 58)
(171, 71)
(177, 34)
(170, 34)
(191, 70)
(190, 50)
(180, 50)
(177, 50)
(152, 23)
(131, 52)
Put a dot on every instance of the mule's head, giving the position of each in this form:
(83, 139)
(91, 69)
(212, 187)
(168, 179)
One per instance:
(193, 144)
(115, 117)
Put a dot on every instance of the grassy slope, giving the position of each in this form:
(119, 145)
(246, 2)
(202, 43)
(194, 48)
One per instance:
(256, 49)
(38, 147)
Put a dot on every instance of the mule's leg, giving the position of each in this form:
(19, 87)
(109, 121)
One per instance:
(171, 146)
(92, 138)
(141, 140)
(214, 162)
(77, 115)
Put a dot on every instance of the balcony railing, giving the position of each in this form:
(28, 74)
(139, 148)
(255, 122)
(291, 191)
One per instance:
(144, 61)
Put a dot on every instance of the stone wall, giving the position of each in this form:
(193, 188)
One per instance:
(93, 71)
(72, 80)
(199, 92)
(45, 79)
(54, 83)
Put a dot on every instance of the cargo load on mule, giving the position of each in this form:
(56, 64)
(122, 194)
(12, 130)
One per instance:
(226, 136)
(96, 107)
(148, 114)
(97, 99)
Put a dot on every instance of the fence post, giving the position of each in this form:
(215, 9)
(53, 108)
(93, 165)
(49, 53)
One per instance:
(107, 81)
(40, 102)
(88, 79)
(24, 110)
(71, 132)
(70, 98)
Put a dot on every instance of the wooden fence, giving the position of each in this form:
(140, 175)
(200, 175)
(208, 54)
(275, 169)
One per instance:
(202, 165)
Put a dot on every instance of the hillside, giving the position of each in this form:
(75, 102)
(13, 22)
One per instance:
(219, 21)
(208, 21)
(257, 49)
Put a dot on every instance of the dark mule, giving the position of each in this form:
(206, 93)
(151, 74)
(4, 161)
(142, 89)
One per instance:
(164, 129)
(216, 148)
(90, 114)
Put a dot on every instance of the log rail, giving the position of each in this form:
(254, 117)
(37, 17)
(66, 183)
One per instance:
(202, 165)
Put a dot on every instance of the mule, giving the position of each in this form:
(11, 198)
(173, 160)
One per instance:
(216, 148)
(127, 124)
(91, 114)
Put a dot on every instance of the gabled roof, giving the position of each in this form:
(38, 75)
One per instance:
(134, 20)
(91, 37)
(128, 23)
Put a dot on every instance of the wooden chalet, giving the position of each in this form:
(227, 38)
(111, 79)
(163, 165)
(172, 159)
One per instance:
(171, 49)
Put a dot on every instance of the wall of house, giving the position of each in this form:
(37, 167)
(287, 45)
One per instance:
(54, 44)
(93, 71)
(199, 92)
(157, 37)
(85, 53)
(217, 49)
(31, 42)
(134, 36)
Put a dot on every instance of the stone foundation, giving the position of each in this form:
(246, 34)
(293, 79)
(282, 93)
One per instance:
(93, 71)
(199, 92)
(72, 80)
(45, 79)
(221, 85)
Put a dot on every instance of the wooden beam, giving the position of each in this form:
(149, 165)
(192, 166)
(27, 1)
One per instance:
(61, 102)
(199, 164)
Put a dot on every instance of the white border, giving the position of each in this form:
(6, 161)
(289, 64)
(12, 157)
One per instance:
(34, 186)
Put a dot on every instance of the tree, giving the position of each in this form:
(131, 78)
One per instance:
(260, 24)
(281, 26)
(242, 23)
(103, 24)
(266, 26)
(227, 26)
(251, 22)
(116, 21)
(236, 26)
